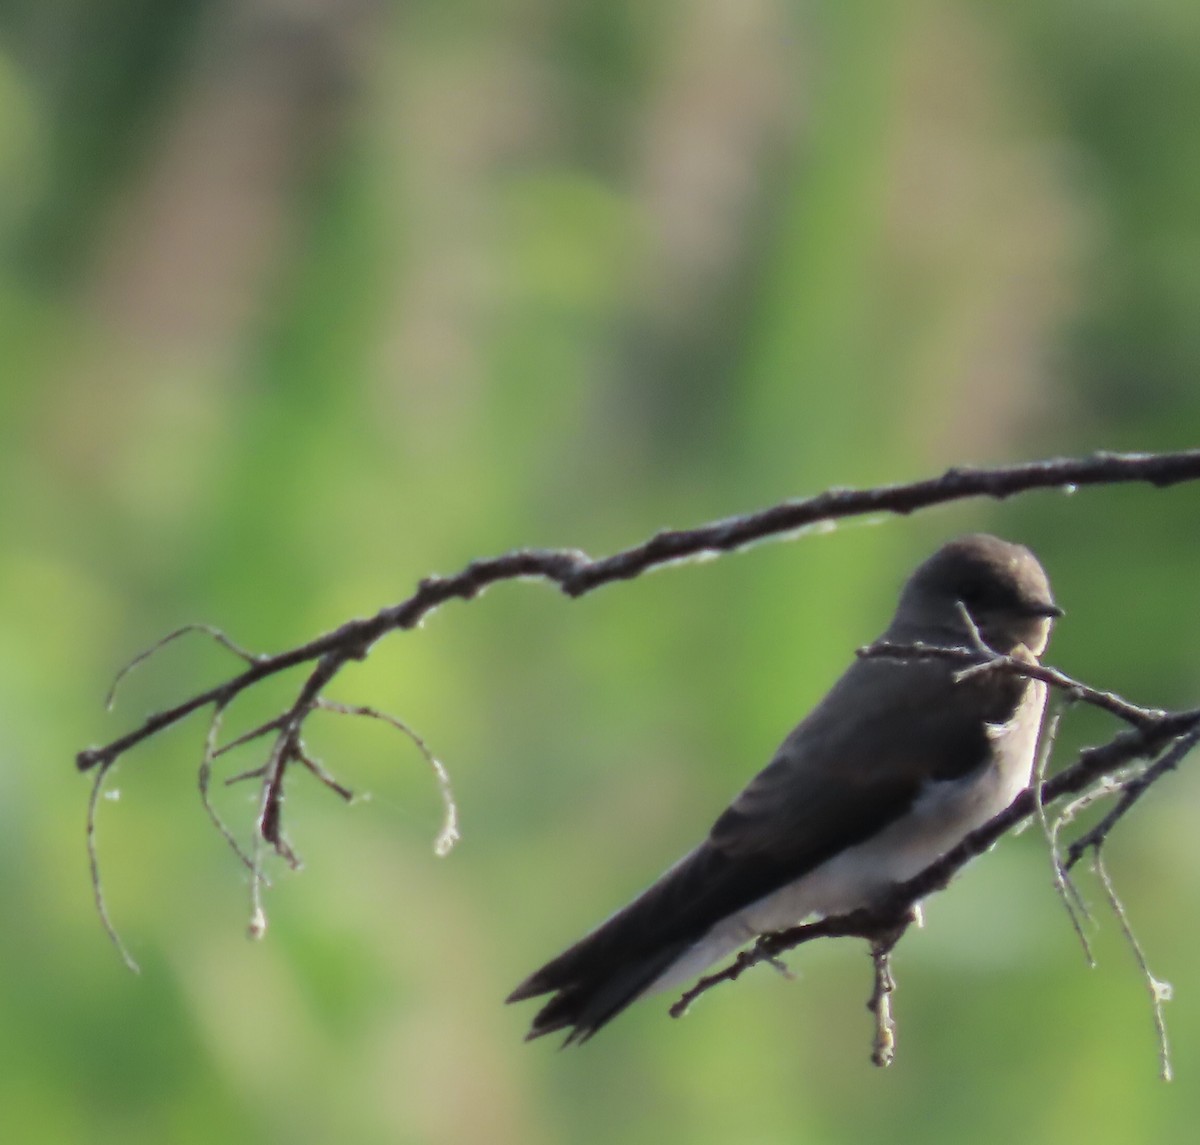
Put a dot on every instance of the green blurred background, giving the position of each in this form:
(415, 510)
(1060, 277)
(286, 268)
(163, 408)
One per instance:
(302, 301)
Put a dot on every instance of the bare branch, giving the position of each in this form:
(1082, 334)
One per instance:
(576, 573)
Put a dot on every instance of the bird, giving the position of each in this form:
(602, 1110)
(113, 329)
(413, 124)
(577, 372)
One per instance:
(892, 768)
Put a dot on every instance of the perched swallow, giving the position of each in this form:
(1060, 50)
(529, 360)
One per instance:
(888, 772)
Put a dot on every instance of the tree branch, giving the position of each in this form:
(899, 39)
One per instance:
(577, 574)
(1167, 735)
(975, 660)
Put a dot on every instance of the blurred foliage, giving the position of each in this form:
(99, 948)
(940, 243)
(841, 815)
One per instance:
(301, 302)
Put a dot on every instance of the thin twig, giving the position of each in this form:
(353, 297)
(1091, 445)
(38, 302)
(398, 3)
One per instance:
(208, 630)
(781, 968)
(879, 921)
(270, 813)
(1131, 792)
(204, 777)
(97, 884)
(1063, 884)
(256, 928)
(319, 770)
(883, 1046)
(250, 773)
(981, 646)
(1133, 714)
(1159, 991)
(268, 726)
(448, 836)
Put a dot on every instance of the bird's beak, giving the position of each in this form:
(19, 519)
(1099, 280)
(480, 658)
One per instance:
(1050, 611)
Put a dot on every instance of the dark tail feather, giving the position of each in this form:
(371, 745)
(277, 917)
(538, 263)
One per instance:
(594, 980)
(593, 998)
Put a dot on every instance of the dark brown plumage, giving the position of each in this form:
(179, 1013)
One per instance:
(891, 768)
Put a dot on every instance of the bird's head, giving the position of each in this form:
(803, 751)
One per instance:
(1000, 585)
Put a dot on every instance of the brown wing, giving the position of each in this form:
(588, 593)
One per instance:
(861, 758)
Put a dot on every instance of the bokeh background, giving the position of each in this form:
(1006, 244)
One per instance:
(301, 300)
